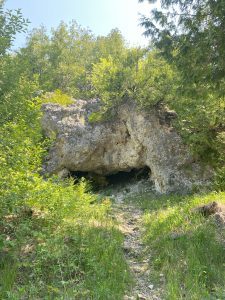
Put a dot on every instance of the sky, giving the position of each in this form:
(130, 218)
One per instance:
(98, 15)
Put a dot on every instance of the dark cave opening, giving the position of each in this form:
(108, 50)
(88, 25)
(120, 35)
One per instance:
(128, 176)
(120, 178)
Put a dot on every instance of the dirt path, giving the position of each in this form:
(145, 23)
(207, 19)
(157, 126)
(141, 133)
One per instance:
(129, 218)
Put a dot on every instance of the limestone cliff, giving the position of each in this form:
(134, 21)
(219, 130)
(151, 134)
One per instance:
(134, 139)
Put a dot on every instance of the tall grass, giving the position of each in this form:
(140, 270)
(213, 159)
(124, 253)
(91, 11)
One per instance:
(57, 239)
(187, 248)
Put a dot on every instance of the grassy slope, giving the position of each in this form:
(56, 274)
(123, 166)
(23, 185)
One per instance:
(79, 257)
(69, 248)
(57, 240)
(186, 247)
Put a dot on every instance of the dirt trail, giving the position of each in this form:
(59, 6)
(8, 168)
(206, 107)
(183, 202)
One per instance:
(129, 218)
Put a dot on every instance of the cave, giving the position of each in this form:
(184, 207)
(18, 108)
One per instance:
(114, 179)
(133, 175)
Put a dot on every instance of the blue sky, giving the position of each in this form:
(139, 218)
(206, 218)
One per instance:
(98, 15)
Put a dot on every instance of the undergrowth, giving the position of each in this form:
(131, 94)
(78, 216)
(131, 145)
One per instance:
(187, 248)
(57, 239)
(66, 247)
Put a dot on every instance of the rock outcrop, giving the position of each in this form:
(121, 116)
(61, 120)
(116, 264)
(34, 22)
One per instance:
(133, 140)
(214, 209)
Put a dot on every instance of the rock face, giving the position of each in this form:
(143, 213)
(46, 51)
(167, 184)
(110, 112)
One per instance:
(133, 140)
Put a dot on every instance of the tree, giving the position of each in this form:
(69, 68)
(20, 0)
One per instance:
(64, 59)
(191, 34)
(12, 85)
(11, 22)
(139, 76)
(113, 44)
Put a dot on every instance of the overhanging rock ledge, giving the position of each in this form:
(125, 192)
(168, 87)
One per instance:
(133, 140)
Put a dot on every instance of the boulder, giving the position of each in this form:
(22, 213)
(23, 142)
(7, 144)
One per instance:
(134, 139)
(214, 209)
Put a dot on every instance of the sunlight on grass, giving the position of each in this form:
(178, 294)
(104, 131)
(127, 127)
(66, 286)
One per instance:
(185, 246)
(69, 248)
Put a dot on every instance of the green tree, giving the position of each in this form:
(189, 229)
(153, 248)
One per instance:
(35, 57)
(61, 60)
(113, 44)
(11, 103)
(139, 76)
(11, 22)
(190, 35)
(64, 59)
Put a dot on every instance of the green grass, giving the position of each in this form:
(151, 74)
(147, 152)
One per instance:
(186, 247)
(70, 248)
(57, 239)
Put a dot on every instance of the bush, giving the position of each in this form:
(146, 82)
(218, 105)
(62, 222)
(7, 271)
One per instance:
(57, 239)
(57, 97)
(137, 76)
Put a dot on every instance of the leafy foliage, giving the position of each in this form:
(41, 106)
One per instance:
(56, 237)
(57, 97)
(11, 22)
(190, 36)
(138, 76)
(64, 60)
(187, 248)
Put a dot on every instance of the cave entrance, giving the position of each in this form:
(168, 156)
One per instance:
(133, 175)
(115, 179)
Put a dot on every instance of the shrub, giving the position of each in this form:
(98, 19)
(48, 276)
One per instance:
(57, 97)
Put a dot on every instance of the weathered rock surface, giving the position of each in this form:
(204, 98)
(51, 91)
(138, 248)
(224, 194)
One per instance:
(134, 139)
(214, 209)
